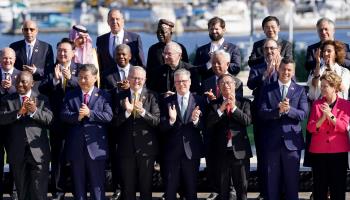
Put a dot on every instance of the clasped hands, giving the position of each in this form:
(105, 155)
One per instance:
(326, 111)
(133, 105)
(284, 106)
(84, 111)
(228, 102)
(62, 71)
(28, 107)
(6, 84)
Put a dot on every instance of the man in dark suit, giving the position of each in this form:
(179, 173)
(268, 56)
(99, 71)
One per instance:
(325, 29)
(136, 118)
(271, 27)
(163, 80)
(107, 43)
(87, 110)
(63, 79)
(8, 78)
(33, 55)
(155, 57)
(227, 120)
(216, 28)
(283, 107)
(27, 115)
(181, 122)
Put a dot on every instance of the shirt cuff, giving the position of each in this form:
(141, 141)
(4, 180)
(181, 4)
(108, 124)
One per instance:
(196, 122)
(172, 122)
(32, 114)
(127, 115)
(219, 112)
(143, 113)
(208, 65)
(55, 81)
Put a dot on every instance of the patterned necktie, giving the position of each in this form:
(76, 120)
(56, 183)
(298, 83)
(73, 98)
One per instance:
(134, 112)
(29, 54)
(183, 107)
(24, 99)
(86, 99)
(228, 112)
(284, 92)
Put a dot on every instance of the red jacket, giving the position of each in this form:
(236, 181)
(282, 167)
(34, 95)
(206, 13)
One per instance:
(330, 138)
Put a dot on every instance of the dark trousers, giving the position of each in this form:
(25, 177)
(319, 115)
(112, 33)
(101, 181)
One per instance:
(212, 173)
(329, 172)
(259, 155)
(31, 178)
(136, 170)
(2, 152)
(236, 170)
(183, 170)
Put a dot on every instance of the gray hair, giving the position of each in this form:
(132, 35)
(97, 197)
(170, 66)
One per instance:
(122, 47)
(270, 39)
(89, 67)
(182, 71)
(115, 10)
(325, 19)
(174, 46)
(2, 51)
(222, 52)
(137, 68)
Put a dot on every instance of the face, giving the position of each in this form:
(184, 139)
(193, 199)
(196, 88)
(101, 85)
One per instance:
(285, 72)
(115, 21)
(227, 87)
(81, 40)
(216, 32)
(171, 57)
(271, 29)
(182, 84)
(270, 50)
(326, 89)
(328, 54)
(65, 53)
(86, 80)
(325, 31)
(164, 34)
(122, 57)
(24, 83)
(219, 64)
(8, 60)
(30, 31)
(137, 79)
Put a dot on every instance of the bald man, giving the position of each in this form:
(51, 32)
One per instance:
(32, 54)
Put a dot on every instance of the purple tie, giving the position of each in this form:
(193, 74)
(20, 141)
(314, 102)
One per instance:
(86, 99)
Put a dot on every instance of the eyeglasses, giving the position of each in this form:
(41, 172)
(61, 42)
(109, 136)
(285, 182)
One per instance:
(270, 48)
(181, 81)
(137, 78)
(226, 83)
(29, 29)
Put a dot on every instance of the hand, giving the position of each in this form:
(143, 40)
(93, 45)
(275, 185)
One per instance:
(6, 84)
(66, 73)
(139, 106)
(284, 106)
(277, 61)
(128, 106)
(228, 101)
(196, 113)
(172, 113)
(124, 85)
(317, 56)
(210, 95)
(30, 105)
(57, 72)
(29, 68)
(168, 93)
(327, 112)
(23, 110)
(84, 111)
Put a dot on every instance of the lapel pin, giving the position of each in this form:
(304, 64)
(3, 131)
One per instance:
(96, 94)
(36, 50)
(126, 40)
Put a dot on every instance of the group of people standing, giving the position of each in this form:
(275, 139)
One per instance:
(92, 109)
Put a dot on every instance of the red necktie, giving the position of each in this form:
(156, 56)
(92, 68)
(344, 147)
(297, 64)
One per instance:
(86, 99)
(24, 99)
(217, 91)
(228, 112)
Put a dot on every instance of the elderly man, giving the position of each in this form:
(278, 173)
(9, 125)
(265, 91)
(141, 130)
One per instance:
(63, 79)
(155, 57)
(227, 121)
(7, 78)
(163, 80)
(325, 29)
(271, 27)
(87, 110)
(216, 28)
(107, 43)
(181, 121)
(33, 55)
(27, 115)
(136, 118)
(283, 107)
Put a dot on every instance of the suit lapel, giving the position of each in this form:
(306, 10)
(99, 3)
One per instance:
(176, 103)
(126, 38)
(116, 75)
(17, 102)
(93, 98)
(35, 52)
(291, 90)
(23, 52)
(143, 96)
(190, 108)
(277, 92)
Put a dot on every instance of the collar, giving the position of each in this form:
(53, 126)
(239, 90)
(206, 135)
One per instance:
(133, 91)
(287, 84)
(29, 94)
(68, 64)
(9, 71)
(125, 69)
(31, 44)
(120, 35)
(218, 43)
(90, 91)
(179, 97)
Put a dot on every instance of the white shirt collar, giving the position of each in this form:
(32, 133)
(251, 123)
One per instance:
(9, 71)
(90, 91)
(125, 69)
(120, 35)
(133, 92)
(186, 96)
(29, 93)
(287, 84)
(31, 44)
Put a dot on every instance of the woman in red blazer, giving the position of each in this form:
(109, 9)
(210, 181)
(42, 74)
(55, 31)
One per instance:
(328, 124)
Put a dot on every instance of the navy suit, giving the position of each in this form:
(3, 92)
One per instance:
(106, 61)
(282, 139)
(110, 79)
(257, 55)
(86, 142)
(42, 58)
(183, 148)
(202, 57)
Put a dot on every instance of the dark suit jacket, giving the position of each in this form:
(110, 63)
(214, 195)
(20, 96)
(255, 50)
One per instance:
(310, 63)
(211, 83)
(26, 130)
(202, 57)
(257, 55)
(110, 78)
(237, 122)
(283, 129)
(93, 128)
(106, 61)
(12, 89)
(42, 58)
(137, 136)
(164, 78)
(182, 138)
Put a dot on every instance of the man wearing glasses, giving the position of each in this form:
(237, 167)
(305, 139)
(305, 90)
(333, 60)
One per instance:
(33, 55)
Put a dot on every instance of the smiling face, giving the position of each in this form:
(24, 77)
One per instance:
(219, 64)
(8, 59)
(30, 31)
(115, 21)
(182, 84)
(65, 53)
(81, 40)
(326, 89)
(137, 79)
(286, 72)
(271, 50)
(86, 80)
(216, 32)
(271, 29)
(329, 55)
(171, 57)
(122, 57)
(164, 34)
(227, 86)
(24, 83)
(325, 31)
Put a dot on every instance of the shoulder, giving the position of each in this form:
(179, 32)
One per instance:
(259, 43)
(17, 44)
(230, 45)
(203, 47)
(314, 46)
(10, 97)
(131, 34)
(44, 44)
(71, 94)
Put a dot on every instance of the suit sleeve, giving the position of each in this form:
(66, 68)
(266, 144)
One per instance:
(235, 64)
(43, 113)
(242, 115)
(254, 79)
(300, 112)
(102, 116)
(288, 50)
(265, 112)
(7, 116)
(140, 57)
(68, 115)
(310, 62)
(255, 58)
(152, 117)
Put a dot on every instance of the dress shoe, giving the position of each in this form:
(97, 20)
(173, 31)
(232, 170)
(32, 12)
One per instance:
(58, 196)
(232, 195)
(116, 195)
(14, 195)
(212, 196)
(260, 197)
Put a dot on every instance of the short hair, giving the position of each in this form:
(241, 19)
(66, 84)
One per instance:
(325, 19)
(2, 51)
(287, 61)
(333, 79)
(216, 20)
(226, 75)
(89, 67)
(221, 52)
(339, 49)
(271, 39)
(25, 73)
(182, 71)
(269, 19)
(115, 10)
(66, 40)
(122, 47)
(137, 68)
(174, 46)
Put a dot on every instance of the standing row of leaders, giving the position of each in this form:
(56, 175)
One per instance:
(105, 107)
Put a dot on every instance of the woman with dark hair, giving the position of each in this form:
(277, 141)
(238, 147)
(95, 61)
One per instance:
(328, 125)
